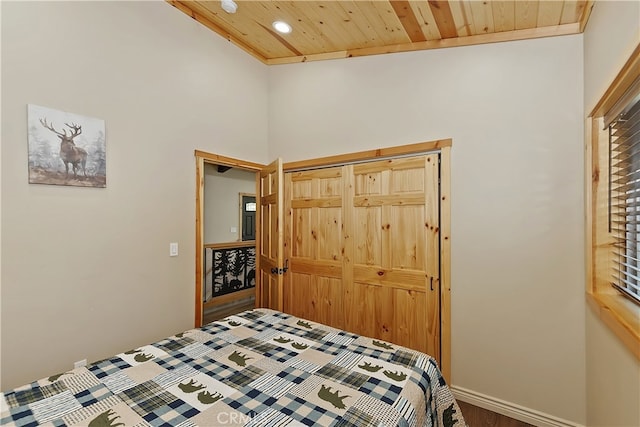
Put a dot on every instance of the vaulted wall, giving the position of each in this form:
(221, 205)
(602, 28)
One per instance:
(514, 112)
(86, 272)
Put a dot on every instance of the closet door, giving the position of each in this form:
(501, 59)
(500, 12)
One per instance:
(392, 292)
(313, 247)
(270, 286)
(363, 247)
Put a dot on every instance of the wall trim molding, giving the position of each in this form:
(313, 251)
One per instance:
(509, 409)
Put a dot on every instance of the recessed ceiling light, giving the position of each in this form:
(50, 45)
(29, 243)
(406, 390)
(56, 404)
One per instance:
(229, 6)
(282, 27)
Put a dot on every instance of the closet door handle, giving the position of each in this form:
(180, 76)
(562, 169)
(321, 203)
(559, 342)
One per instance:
(276, 270)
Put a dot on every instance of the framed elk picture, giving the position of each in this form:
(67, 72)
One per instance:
(66, 148)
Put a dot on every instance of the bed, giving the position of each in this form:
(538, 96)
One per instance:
(257, 368)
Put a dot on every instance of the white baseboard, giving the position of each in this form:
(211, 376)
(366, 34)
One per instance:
(509, 409)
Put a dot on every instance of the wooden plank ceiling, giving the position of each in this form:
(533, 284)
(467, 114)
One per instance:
(348, 28)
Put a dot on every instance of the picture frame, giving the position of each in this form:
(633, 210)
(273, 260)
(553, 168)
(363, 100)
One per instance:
(66, 148)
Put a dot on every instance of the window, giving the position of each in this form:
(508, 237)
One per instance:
(612, 183)
(624, 196)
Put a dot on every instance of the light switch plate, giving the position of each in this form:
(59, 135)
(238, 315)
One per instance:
(173, 249)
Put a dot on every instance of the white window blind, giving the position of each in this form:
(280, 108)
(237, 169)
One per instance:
(624, 196)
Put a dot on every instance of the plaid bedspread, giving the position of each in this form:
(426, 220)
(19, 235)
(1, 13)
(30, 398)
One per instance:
(258, 368)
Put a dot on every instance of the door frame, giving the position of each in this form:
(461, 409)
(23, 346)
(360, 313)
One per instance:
(203, 157)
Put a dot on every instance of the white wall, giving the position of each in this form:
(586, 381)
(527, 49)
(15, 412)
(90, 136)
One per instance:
(86, 272)
(613, 372)
(222, 202)
(611, 35)
(0, 205)
(515, 113)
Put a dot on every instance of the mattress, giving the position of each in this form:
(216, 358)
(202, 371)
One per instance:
(257, 368)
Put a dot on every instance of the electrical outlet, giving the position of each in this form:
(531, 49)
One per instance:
(79, 363)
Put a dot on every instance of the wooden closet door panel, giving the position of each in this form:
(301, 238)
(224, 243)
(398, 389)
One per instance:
(327, 301)
(406, 237)
(327, 235)
(368, 223)
(395, 261)
(410, 325)
(316, 298)
(377, 314)
(315, 238)
(371, 311)
(301, 244)
(298, 301)
(380, 276)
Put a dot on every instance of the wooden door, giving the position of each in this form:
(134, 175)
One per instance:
(269, 292)
(248, 218)
(313, 283)
(363, 245)
(393, 293)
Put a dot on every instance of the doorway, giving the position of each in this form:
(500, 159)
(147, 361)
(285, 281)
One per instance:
(248, 216)
(225, 237)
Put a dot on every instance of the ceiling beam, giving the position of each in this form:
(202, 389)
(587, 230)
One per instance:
(444, 18)
(529, 33)
(183, 6)
(586, 13)
(281, 39)
(408, 19)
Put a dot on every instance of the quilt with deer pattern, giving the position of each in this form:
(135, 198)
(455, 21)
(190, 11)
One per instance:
(258, 368)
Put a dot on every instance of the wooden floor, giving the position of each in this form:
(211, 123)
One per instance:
(479, 417)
